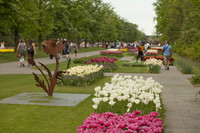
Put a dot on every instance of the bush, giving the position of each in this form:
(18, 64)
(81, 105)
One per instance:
(196, 79)
(112, 53)
(184, 67)
(109, 67)
(153, 68)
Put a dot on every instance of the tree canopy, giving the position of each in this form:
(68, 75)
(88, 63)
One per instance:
(91, 20)
(179, 22)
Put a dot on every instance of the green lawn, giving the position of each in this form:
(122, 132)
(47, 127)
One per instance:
(9, 57)
(45, 119)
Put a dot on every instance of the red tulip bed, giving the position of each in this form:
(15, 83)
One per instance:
(128, 123)
(158, 58)
(117, 53)
(108, 63)
(102, 60)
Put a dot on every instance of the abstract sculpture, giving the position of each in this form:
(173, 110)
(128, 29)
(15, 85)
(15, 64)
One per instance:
(52, 46)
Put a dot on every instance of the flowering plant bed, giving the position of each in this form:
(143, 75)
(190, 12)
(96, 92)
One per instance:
(128, 123)
(160, 49)
(154, 65)
(126, 94)
(85, 60)
(158, 58)
(83, 75)
(112, 53)
(102, 60)
(152, 52)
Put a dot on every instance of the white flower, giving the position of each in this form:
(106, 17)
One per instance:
(112, 103)
(137, 101)
(95, 106)
(96, 100)
(105, 99)
(129, 105)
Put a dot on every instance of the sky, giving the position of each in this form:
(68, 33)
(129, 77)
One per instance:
(140, 12)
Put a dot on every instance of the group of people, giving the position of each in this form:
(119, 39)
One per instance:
(167, 52)
(23, 50)
(68, 48)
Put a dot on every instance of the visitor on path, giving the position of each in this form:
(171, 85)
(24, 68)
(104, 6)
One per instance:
(2, 45)
(31, 50)
(75, 49)
(67, 49)
(140, 51)
(167, 52)
(21, 51)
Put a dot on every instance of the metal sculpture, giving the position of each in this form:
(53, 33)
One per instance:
(52, 46)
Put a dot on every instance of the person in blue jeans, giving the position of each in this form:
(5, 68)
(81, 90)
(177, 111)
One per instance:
(167, 52)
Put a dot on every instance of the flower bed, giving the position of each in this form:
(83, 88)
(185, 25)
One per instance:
(83, 75)
(154, 65)
(133, 49)
(7, 50)
(128, 123)
(126, 94)
(160, 49)
(84, 60)
(184, 67)
(112, 53)
(158, 58)
(152, 52)
(102, 60)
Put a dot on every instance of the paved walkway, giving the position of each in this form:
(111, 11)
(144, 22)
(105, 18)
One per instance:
(14, 68)
(182, 109)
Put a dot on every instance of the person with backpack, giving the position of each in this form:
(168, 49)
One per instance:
(167, 52)
(31, 50)
(140, 51)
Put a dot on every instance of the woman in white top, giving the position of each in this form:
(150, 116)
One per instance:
(2, 45)
(21, 49)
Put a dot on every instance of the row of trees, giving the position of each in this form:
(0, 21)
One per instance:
(179, 22)
(72, 19)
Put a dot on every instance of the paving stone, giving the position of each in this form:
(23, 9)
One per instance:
(58, 99)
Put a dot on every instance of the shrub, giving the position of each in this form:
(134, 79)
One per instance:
(153, 68)
(196, 79)
(109, 67)
(184, 67)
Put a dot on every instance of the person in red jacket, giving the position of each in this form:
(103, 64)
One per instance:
(140, 51)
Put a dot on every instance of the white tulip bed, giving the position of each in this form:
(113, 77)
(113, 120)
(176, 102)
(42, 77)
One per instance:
(127, 94)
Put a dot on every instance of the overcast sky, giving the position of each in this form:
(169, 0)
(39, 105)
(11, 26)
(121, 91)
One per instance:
(140, 12)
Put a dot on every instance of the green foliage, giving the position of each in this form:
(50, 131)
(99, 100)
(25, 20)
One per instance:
(134, 64)
(109, 67)
(84, 60)
(153, 68)
(196, 79)
(81, 81)
(178, 21)
(184, 67)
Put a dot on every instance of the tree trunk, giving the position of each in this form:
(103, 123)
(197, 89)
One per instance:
(86, 42)
(16, 39)
(40, 40)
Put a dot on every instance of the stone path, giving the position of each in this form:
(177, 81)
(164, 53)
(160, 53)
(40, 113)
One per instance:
(182, 109)
(14, 68)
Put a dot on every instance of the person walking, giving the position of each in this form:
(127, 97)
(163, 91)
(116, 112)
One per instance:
(167, 52)
(67, 49)
(140, 51)
(31, 50)
(75, 49)
(21, 51)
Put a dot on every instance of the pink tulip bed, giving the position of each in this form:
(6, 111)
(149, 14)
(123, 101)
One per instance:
(128, 123)
(102, 60)
(108, 63)
(112, 53)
